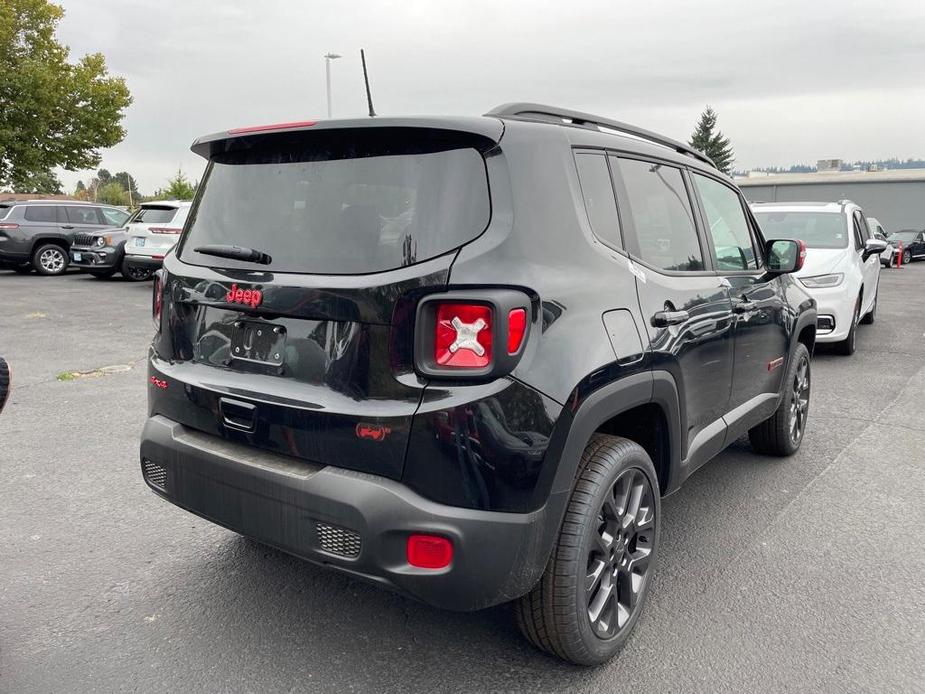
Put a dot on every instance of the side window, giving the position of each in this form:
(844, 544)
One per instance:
(42, 213)
(600, 202)
(83, 215)
(858, 233)
(662, 215)
(732, 241)
(113, 217)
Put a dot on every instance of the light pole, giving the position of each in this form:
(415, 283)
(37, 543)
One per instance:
(328, 57)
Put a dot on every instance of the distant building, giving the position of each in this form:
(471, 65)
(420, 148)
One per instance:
(896, 196)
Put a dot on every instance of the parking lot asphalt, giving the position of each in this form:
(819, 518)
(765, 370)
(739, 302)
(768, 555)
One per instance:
(800, 574)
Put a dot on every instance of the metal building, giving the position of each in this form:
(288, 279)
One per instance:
(896, 197)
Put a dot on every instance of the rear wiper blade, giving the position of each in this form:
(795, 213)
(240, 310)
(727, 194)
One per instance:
(251, 255)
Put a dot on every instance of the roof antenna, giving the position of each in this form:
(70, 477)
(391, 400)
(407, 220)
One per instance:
(369, 97)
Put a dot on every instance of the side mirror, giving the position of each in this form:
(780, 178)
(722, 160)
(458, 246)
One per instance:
(873, 247)
(783, 256)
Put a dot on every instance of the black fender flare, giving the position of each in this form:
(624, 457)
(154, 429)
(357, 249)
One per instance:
(606, 402)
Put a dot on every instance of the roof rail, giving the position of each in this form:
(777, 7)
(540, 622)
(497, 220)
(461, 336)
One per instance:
(562, 116)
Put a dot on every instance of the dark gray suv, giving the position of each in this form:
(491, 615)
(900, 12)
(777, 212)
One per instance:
(39, 233)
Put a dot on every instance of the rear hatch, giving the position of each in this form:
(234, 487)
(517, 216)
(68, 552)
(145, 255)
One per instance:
(155, 229)
(308, 351)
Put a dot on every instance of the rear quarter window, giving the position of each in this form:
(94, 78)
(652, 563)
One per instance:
(345, 203)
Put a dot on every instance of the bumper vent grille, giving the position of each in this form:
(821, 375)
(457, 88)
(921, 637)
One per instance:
(340, 541)
(84, 239)
(155, 474)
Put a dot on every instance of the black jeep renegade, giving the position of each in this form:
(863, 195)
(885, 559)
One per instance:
(465, 357)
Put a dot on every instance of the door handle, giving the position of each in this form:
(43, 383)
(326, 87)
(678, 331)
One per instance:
(67, 226)
(663, 319)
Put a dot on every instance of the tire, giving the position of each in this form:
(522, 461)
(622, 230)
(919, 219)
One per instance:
(871, 315)
(103, 274)
(615, 475)
(847, 346)
(907, 257)
(23, 269)
(779, 434)
(50, 259)
(135, 273)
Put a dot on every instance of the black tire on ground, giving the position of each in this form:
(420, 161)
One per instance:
(135, 273)
(103, 274)
(907, 257)
(871, 315)
(50, 259)
(23, 269)
(847, 346)
(594, 587)
(782, 432)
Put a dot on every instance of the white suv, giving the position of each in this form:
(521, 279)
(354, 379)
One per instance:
(842, 268)
(152, 232)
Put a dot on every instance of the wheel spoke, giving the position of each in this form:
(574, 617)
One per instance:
(593, 578)
(638, 561)
(600, 599)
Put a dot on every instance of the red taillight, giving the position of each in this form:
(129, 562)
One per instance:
(516, 328)
(274, 126)
(157, 302)
(801, 257)
(463, 335)
(165, 230)
(8, 225)
(429, 551)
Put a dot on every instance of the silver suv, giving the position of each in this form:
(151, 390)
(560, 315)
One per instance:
(38, 233)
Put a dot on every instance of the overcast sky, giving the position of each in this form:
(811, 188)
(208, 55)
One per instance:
(792, 81)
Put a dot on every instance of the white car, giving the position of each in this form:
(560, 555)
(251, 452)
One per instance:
(888, 257)
(842, 267)
(153, 231)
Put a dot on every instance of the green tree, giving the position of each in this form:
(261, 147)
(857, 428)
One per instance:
(53, 113)
(44, 182)
(112, 193)
(711, 142)
(178, 188)
(127, 181)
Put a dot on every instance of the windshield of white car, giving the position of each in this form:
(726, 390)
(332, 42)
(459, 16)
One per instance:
(815, 229)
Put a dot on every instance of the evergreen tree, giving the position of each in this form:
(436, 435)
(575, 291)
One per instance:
(711, 142)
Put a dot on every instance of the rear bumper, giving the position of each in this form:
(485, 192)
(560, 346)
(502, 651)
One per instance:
(145, 261)
(282, 501)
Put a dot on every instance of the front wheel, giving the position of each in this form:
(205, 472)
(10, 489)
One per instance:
(907, 257)
(50, 259)
(847, 346)
(592, 592)
(782, 432)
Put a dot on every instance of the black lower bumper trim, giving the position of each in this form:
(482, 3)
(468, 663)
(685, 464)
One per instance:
(282, 501)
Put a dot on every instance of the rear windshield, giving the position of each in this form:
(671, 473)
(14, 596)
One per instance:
(342, 204)
(154, 215)
(815, 229)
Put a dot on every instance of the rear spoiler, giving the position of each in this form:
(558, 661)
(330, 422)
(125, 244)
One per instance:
(239, 138)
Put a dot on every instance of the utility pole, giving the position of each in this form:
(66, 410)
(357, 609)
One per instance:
(328, 57)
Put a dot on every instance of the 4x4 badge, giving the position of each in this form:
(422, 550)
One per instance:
(249, 297)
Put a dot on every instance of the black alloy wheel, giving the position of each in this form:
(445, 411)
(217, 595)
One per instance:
(799, 403)
(618, 560)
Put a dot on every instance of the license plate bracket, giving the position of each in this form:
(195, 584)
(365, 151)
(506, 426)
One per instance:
(259, 343)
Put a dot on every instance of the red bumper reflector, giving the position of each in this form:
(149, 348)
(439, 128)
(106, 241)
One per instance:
(516, 327)
(429, 551)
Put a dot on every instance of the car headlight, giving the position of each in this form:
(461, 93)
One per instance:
(100, 241)
(819, 281)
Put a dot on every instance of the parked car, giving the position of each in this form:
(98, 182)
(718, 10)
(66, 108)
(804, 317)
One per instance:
(37, 234)
(100, 253)
(888, 257)
(152, 232)
(429, 352)
(912, 241)
(842, 268)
